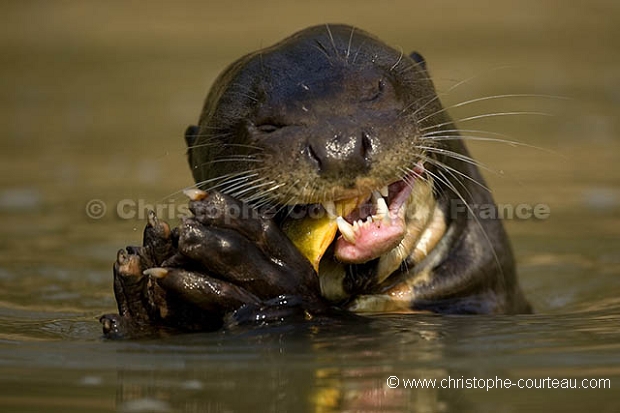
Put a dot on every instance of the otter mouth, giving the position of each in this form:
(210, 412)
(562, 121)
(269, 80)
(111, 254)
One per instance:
(377, 225)
(359, 229)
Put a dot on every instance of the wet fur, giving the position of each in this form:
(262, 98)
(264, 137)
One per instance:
(255, 129)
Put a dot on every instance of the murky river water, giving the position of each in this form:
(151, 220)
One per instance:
(95, 98)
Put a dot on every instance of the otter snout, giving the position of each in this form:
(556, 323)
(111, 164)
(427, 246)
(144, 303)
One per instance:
(340, 150)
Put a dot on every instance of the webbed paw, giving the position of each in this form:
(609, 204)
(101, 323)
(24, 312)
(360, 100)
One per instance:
(224, 260)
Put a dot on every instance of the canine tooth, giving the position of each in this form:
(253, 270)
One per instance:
(330, 207)
(195, 194)
(156, 272)
(346, 229)
(384, 191)
(382, 208)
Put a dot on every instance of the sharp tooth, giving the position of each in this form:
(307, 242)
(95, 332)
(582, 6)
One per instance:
(382, 211)
(346, 229)
(330, 207)
(376, 195)
(385, 191)
(369, 219)
(382, 208)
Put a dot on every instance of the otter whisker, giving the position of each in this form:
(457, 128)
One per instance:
(457, 137)
(400, 57)
(478, 223)
(359, 49)
(458, 156)
(471, 78)
(245, 91)
(454, 171)
(513, 143)
(200, 184)
(486, 115)
(240, 159)
(251, 186)
(223, 178)
(236, 178)
(459, 131)
(211, 135)
(267, 203)
(455, 155)
(230, 187)
(408, 179)
(319, 46)
(486, 98)
(451, 88)
(265, 193)
(226, 145)
(275, 187)
(349, 45)
(415, 102)
(331, 38)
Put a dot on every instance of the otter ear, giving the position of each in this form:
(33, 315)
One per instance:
(417, 57)
(191, 133)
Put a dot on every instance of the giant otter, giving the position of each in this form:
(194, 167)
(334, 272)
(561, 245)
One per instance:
(330, 125)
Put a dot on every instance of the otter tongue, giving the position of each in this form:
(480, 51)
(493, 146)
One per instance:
(313, 235)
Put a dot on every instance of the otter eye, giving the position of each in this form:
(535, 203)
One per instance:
(268, 128)
(268, 124)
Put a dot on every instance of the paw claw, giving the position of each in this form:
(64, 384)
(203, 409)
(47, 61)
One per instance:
(152, 218)
(195, 194)
(156, 272)
(157, 228)
(121, 257)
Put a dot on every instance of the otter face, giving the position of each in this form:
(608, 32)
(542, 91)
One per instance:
(329, 118)
(323, 115)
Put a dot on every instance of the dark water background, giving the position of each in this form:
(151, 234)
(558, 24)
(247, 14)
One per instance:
(95, 98)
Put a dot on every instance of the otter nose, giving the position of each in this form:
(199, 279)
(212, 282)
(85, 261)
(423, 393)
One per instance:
(341, 153)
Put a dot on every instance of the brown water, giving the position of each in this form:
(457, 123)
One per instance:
(95, 98)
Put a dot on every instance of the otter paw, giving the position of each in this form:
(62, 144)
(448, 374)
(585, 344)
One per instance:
(236, 244)
(131, 293)
(223, 259)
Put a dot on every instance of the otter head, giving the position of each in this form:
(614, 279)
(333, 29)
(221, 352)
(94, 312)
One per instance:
(330, 118)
